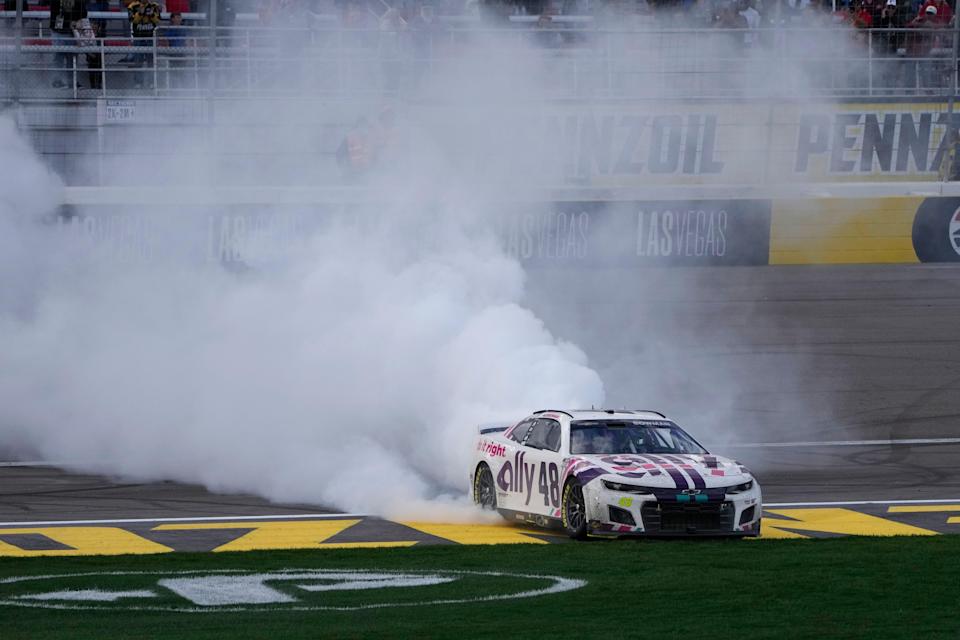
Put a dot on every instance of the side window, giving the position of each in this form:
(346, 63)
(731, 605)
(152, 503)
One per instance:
(519, 432)
(553, 436)
(545, 435)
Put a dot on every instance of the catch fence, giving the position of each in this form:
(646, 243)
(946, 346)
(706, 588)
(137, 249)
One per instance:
(566, 60)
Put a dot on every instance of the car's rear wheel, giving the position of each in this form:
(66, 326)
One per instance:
(574, 512)
(484, 490)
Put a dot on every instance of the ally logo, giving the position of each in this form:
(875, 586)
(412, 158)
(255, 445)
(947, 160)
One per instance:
(286, 589)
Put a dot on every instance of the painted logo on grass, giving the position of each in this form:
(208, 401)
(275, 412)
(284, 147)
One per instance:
(281, 590)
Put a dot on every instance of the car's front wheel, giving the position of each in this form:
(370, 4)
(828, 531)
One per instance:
(574, 512)
(484, 491)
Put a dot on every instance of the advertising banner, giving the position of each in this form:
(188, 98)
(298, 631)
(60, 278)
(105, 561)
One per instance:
(599, 234)
(708, 144)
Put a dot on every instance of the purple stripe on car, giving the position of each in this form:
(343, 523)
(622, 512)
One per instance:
(589, 475)
(679, 479)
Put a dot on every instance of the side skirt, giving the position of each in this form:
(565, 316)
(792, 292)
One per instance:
(537, 520)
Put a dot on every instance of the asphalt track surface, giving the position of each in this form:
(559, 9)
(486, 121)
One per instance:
(753, 355)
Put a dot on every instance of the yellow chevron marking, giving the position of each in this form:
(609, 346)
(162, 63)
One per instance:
(301, 534)
(85, 541)
(923, 508)
(838, 521)
(478, 533)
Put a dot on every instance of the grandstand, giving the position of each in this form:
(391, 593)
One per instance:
(621, 53)
(88, 101)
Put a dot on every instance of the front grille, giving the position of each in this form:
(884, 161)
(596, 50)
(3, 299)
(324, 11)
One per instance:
(666, 517)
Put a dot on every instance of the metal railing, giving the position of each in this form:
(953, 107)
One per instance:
(569, 60)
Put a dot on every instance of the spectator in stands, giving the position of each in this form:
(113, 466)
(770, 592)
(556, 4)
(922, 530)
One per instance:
(873, 8)
(861, 15)
(925, 71)
(889, 42)
(176, 38)
(86, 34)
(752, 17)
(176, 33)
(144, 17)
(729, 18)
(63, 14)
(893, 17)
(944, 13)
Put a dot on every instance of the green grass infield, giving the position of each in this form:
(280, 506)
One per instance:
(832, 588)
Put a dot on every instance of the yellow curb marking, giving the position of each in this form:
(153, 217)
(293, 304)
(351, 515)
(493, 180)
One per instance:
(928, 508)
(85, 541)
(923, 508)
(478, 533)
(839, 521)
(302, 534)
(313, 534)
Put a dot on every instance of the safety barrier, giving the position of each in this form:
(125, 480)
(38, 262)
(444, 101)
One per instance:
(733, 226)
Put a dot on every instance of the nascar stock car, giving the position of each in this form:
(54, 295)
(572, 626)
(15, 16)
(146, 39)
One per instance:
(612, 473)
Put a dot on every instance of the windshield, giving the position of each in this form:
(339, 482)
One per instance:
(630, 436)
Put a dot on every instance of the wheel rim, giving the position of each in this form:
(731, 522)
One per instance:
(485, 494)
(575, 511)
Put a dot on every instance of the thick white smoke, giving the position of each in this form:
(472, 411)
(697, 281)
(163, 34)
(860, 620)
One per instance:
(354, 375)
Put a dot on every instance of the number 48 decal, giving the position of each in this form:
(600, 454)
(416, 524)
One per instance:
(548, 483)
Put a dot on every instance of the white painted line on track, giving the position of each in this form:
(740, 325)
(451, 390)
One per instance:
(840, 443)
(303, 516)
(295, 516)
(854, 503)
(36, 463)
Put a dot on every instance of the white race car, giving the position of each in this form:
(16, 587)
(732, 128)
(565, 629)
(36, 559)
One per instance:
(612, 473)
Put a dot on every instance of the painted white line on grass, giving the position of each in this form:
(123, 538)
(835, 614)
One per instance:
(854, 503)
(295, 516)
(840, 443)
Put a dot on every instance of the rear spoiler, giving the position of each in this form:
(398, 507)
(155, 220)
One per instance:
(493, 427)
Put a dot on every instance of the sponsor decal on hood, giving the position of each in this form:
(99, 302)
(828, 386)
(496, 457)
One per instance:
(675, 471)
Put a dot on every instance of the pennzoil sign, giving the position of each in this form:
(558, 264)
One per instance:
(725, 143)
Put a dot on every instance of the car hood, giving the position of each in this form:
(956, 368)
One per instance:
(667, 471)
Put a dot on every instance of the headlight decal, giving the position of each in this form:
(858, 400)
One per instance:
(740, 488)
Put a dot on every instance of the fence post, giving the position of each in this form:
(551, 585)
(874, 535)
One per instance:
(213, 45)
(212, 53)
(18, 61)
(103, 68)
(156, 75)
(951, 99)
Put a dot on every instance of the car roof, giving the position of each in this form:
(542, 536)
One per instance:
(607, 414)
